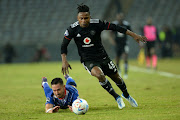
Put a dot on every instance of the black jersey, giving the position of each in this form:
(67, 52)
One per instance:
(120, 38)
(88, 39)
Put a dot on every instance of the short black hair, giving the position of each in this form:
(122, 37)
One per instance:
(56, 81)
(83, 8)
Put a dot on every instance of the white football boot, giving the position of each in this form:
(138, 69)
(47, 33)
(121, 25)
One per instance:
(120, 102)
(131, 100)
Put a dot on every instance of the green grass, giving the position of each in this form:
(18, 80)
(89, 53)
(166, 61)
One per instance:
(22, 98)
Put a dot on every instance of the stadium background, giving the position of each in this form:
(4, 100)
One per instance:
(28, 23)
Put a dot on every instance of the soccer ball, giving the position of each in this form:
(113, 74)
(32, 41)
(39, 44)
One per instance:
(80, 106)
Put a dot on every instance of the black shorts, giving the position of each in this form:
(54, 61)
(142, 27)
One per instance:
(150, 45)
(107, 66)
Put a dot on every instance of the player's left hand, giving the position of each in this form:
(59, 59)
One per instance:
(55, 109)
(70, 108)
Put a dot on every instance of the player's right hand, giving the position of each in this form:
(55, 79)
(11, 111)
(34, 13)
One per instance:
(65, 66)
(55, 109)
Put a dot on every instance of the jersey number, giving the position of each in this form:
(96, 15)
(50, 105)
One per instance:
(112, 66)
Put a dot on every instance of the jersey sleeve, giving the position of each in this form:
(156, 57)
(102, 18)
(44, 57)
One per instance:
(129, 27)
(49, 100)
(104, 25)
(68, 35)
(75, 94)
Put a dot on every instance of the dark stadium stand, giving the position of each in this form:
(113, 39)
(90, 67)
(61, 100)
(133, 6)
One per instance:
(32, 21)
(26, 23)
(163, 12)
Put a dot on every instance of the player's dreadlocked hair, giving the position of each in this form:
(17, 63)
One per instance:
(83, 8)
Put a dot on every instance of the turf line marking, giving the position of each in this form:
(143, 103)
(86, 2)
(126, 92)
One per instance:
(162, 73)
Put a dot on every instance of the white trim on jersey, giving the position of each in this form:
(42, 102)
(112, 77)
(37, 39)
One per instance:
(91, 21)
(126, 22)
(94, 20)
(75, 24)
(87, 69)
(115, 22)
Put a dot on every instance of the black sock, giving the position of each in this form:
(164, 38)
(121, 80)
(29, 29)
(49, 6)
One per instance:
(123, 88)
(107, 86)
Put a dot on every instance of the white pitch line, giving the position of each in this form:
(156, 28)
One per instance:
(162, 73)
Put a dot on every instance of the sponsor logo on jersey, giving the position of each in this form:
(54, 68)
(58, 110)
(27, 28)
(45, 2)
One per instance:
(87, 40)
(66, 33)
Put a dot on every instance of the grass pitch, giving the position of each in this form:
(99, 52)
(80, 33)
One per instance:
(22, 98)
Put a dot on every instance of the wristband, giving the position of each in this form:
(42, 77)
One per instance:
(49, 110)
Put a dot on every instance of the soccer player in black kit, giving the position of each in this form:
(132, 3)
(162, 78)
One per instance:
(121, 44)
(86, 33)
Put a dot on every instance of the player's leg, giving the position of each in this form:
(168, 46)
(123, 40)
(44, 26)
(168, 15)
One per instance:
(45, 86)
(98, 73)
(70, 81)
(125, 65)
(148, 56)
(94, 69)
(153, 54)
(121, 84)
(118, 59)
(126, 51)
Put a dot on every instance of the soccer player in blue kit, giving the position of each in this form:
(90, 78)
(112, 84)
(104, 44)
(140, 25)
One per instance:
(60, 96)
(86, 33)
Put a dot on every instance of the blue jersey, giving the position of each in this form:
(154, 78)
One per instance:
(71, 94)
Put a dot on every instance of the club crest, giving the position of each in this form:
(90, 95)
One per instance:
(92, 32)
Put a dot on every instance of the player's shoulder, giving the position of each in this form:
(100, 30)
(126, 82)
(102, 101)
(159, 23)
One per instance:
(94, 21)
(50, 95)
(126, 23)
(75, 24)
(115, 22)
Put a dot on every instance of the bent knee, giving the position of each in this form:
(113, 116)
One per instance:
(100, 77)
(98, 73)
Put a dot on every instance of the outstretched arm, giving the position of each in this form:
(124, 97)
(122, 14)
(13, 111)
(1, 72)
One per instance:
(50, 109)
(136, 37)
(65, 64)
(110, 26)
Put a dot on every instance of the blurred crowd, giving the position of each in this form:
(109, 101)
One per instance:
(168, 41)
(9, 53)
